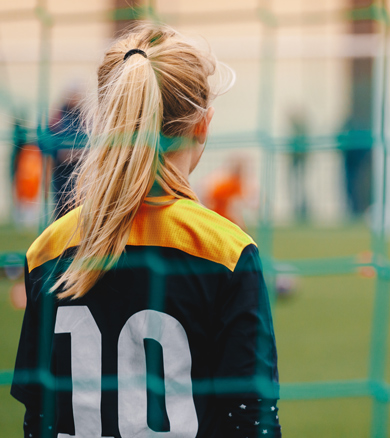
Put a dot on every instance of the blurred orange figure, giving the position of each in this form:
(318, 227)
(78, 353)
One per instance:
(225, 193)
(28, 174)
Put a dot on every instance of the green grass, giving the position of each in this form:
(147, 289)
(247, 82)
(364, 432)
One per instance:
(11, 412)
(323, 333)
(333, 418)
(12, 239)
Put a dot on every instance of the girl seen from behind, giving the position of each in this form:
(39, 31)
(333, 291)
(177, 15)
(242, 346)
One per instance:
(159, 316)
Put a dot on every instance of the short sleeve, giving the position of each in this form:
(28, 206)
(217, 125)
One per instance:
(25, 387)
(245, 349)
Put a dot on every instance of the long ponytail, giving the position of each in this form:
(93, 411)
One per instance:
(139, 99)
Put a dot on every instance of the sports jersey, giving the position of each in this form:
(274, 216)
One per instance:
(176, 340)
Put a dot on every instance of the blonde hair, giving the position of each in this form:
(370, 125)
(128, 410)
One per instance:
(139, 100)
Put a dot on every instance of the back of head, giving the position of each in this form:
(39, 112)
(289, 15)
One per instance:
(153, 89)
(173, 68)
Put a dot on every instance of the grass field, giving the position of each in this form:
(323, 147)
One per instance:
(323, 333)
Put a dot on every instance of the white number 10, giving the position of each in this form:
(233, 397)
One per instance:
(86, 359)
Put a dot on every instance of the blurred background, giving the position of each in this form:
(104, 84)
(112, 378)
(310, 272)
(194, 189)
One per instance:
(298, 156)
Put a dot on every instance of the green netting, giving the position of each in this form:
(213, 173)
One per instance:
(375, 385)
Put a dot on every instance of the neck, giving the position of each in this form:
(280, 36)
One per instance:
(186, 157)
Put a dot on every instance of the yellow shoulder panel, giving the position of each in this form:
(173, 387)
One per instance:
(192, 228)
(58, 237)
(184, 225)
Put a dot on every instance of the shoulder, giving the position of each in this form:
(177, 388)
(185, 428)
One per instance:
(184, 225)
(194, 229)
(212, 224)
(55, 239)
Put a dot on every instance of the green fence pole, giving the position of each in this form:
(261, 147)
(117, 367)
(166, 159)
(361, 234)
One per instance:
(265, 135)
(43, 98)
(47, 303)
(381, 314)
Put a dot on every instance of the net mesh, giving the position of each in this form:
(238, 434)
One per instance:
(311, 143)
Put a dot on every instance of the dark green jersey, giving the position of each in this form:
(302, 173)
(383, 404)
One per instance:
(175, 341)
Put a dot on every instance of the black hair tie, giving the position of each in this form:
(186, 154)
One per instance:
(133, 52)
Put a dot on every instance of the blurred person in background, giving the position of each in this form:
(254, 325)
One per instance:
(65, 124)
(26, 175)
(148, 287)
(356, 147)
(231, 192)
(298, 145)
